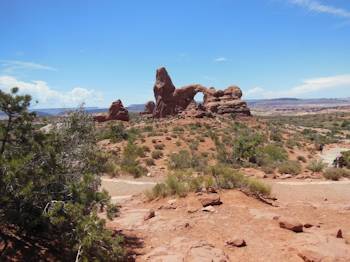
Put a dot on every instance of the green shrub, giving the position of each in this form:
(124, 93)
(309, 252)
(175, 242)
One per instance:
(291, 143)
(146, 148)
(219, 177)
(289, 167)
(271, 154)
(136, 170)
(257, 187)
(133, 134)
(268, 169)
(301, 159)
(129, 162)
(160, 190)
(112, 168)
(178, 129)
(316, 166)
(185, 160)
(336, 173)
(148, 128)
(157, 154)
(50, 186)
(227, 178)
(275, 134)
(149, 161)
(176, 186)
(245, 145)
(159, 146)
(345, 157)
(181, 160)
(193, 145)
(118, 132)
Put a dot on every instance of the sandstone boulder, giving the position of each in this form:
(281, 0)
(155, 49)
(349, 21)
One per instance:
(339, 234)
(210, 200)
(118, 112)
(115, 112)
(237, 242)
(291, 224)
(150, 214)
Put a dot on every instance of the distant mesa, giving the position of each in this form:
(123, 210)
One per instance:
(116, 112)
(171, 101)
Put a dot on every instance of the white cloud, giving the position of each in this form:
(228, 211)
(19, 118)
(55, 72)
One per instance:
(48, 97)
(309, 87)
(220, 59)
(10, 66)
(254, 91)
(316, 6)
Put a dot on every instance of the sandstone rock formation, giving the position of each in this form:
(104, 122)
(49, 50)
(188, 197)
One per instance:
(116, 112)
(172, 101)
(149, 108)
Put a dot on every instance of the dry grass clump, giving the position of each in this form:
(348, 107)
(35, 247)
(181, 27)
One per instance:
(159, 146)
(129, 162)
(218, 177)
(316, 166)
(336, 173)
(185, 160)
(149, 162)
(157, 154)
(290, 167)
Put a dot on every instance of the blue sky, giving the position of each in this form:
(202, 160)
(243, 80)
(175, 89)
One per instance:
(68, 52)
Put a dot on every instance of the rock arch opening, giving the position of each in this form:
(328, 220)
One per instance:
(199, 98)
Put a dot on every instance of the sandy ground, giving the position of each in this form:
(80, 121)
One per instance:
(181, 231)
(174, 234)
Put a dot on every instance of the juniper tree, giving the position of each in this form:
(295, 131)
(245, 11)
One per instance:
(49, 183)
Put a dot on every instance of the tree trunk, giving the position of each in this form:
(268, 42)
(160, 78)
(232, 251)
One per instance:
(7, 131)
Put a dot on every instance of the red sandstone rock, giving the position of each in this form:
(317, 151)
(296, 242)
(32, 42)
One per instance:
(210, 200)
(115, 112)
(171, 101)
(339, 234)
(150, 213)
(237, 242)
(100, 118)
(118, 112)
(149, 108)
(291, 224)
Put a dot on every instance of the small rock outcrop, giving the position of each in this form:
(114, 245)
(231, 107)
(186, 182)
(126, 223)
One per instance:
(210, 200)
(116, 112)
(171, 101)
(237, 242)
(150, 214)
(291, 224)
